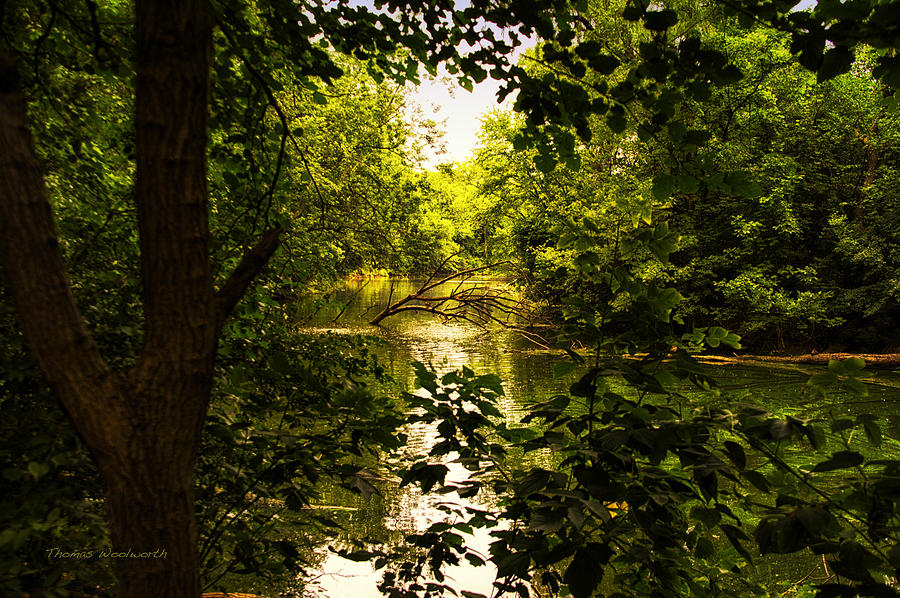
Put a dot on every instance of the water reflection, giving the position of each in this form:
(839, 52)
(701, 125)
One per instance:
(447, 346)
(526, 371)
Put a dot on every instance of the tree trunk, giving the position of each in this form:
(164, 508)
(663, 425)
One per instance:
(143, 426)
(150, 505)
(871, 169)
(868, 179)
(150, 490)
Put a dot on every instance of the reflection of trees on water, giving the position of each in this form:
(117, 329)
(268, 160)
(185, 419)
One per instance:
(387, 520)
(527, 377)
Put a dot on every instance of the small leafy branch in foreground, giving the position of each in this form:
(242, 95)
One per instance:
(460, 405)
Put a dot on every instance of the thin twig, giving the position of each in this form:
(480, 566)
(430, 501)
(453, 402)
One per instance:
(346, 305)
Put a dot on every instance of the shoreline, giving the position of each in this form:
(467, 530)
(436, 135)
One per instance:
(873, 360)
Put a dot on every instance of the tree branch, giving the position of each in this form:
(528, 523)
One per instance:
(251, 265)
(474, 304)
(29, 248)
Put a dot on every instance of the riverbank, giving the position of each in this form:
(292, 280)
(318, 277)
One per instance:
(873, 360)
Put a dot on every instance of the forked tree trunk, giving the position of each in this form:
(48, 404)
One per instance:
(150, 496)
(143, 426)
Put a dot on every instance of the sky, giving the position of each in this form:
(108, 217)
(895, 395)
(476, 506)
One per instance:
(445, 100)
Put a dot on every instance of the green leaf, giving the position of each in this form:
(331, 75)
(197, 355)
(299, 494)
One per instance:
(563, 368)
(757, 479)
(822, 380)
(582, 575)
(426, 475)
(547, 520)
(37, 470)
(617, 122)
(660, 20)
(603, 63)
(520, 142)
(810, 46)
(491, 382)
(514, 564)
(688, 184)
(856, 387)
(854, 365)
(855, 561)
(840, 460)
(815, 520)
(488, 408)
(709, 517)
(545, 162)
(888, 71)
(566, 240)
(873, 431)
(837, 367)
(730, 74)
(661, 230)
(736, 454)
(585, 386)
(676, 130)
(696, 137)
(633, 12)
(836, 62)
(7, 536)
(536, 480)
(663, 186)
(588, 48)
(705, 548)
(279, 363)
(715, 336)
(735, 536)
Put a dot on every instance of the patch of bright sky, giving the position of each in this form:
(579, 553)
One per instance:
(460, 112)
(456, 111)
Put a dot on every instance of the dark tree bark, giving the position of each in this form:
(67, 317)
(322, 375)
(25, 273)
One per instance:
(142, 426)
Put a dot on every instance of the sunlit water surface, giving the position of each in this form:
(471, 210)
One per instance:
(526, 370)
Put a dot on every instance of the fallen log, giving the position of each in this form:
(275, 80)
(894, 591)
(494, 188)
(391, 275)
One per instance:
(873, 360)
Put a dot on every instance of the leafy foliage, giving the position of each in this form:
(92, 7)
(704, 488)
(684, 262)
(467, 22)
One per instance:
(775, 183)
(292, 415)
(53, 496)
(645, 498)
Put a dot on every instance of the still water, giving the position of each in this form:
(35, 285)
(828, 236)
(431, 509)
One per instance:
(527, 373)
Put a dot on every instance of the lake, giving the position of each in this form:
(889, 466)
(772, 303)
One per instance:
(527, 373)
